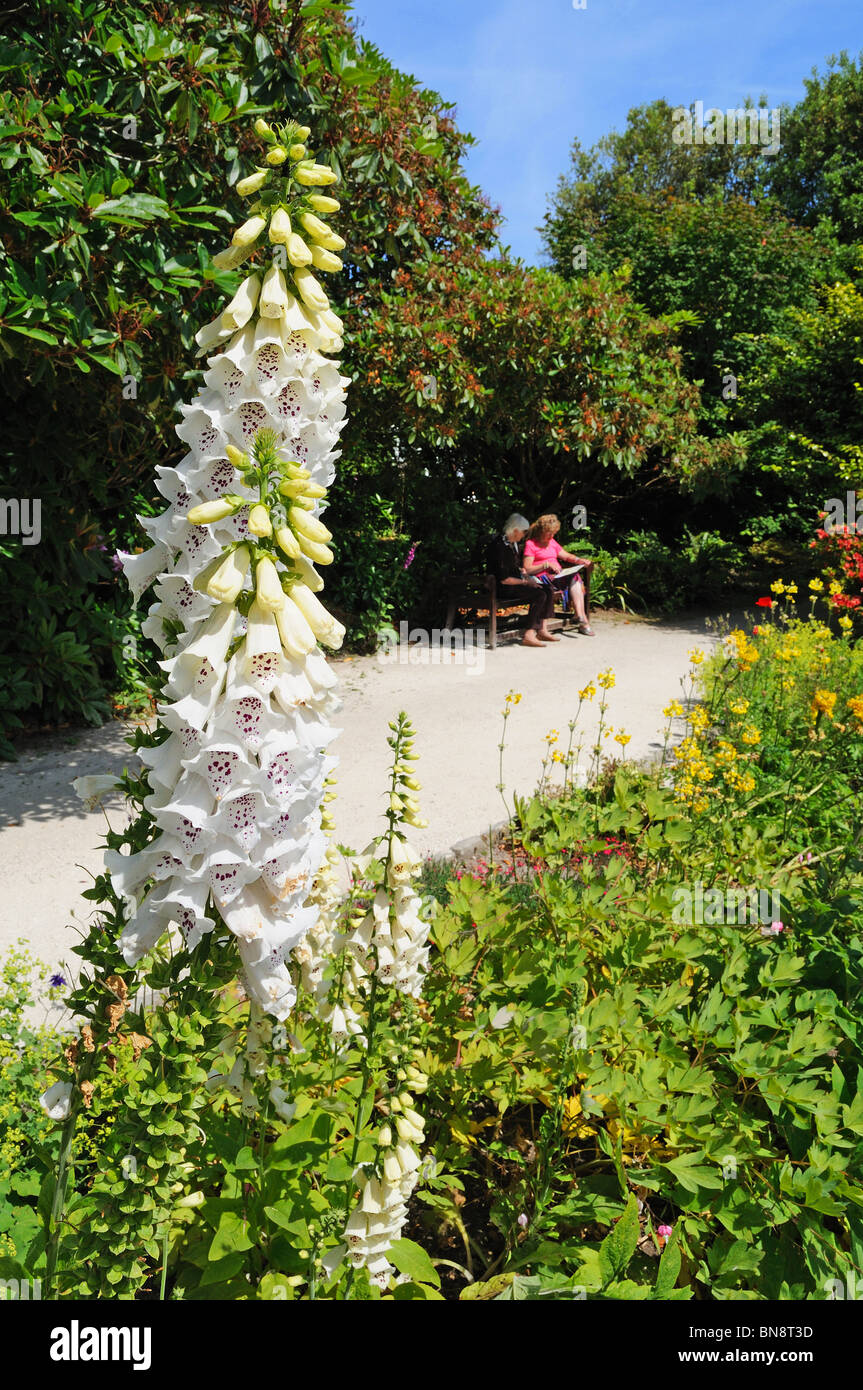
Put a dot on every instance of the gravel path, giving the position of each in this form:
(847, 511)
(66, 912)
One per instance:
(49, 844)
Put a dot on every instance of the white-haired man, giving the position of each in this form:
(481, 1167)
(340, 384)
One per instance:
(504, 562)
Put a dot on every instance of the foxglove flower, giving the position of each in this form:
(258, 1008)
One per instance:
(237, 783)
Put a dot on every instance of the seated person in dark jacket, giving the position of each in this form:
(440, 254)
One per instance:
(504, 562)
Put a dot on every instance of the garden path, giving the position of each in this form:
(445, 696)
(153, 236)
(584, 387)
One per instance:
(49, 841)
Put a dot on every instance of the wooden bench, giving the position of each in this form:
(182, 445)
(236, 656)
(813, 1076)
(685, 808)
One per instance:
(481, 593)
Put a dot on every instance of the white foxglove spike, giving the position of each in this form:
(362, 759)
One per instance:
(236, 787)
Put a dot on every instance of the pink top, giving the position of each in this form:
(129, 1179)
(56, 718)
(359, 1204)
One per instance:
(540, 553)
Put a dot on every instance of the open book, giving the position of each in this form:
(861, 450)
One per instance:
(561, 574)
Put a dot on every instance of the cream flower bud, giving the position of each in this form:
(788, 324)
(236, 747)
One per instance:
(325, 627)
(315, 551)
(299, 488)
(385, 1137)
(297, 151)
(268, 589)
(237, 314)
(261, 128)
(310, 290)
(277, 155)
(314, 175)
(297, 637)
(249, 232)
(308, 574)
(409, 1133)
(309, 526)
(287, 541)
(259, 521)
(332, 321)
(321, 202)
(280, 226)
(325, 260)
(298, 252)
(321, 233)
(303, 132)
(227, 582)
(318, 230)
(274, 295)
(236, 456)
(392, 1168)
(247, 186)
(207, 512)
(232, 256)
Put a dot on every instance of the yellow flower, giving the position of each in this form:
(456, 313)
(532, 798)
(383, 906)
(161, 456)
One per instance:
(696, 656)
(855, 704)
(846, 623)
(606, 679)
(822, 703)
(699, 718)
(777, 587)
(816, 585)
(791, 588)
(835, 587)
(673, 710)
(552, 736)
(622, 738)
(750, 735)
(588, 692)
(739, 706)
(513, 697)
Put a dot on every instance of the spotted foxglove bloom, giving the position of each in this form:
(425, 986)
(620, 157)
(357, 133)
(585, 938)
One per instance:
(237, 782)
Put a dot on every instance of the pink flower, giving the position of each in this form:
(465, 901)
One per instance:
(522, 1220)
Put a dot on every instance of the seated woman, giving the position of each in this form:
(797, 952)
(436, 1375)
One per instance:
(504, 562)
(543, 554)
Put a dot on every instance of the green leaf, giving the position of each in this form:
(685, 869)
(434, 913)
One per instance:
(669, 1267)
(231, 1236)
(618, 1248)
(410, 1258)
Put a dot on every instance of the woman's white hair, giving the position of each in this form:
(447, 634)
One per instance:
(516, 523)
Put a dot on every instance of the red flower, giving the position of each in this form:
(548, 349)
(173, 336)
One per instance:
(764, 603)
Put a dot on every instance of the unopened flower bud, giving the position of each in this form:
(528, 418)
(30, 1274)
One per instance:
(322, 202)
(280, 226)
(207, 512)
(298, 252)
(228, 580)
(247, 186)
(259, 521)
(268, 588)
(249, 231)
(277, 155)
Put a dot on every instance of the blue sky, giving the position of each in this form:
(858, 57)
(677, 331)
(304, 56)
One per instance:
(527, 76)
